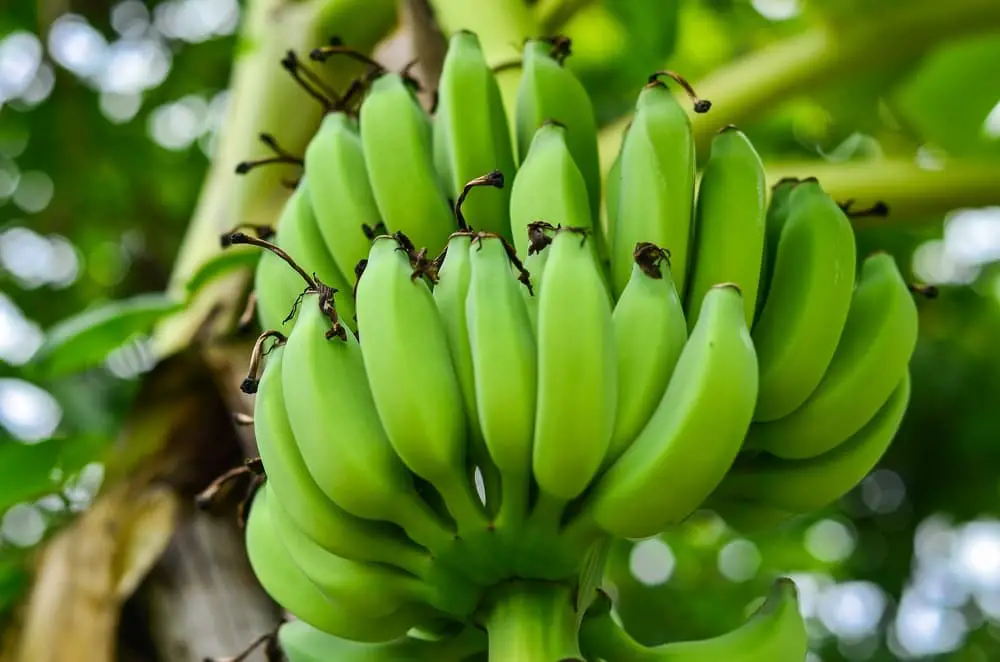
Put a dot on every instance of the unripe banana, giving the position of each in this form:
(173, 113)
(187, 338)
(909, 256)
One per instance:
(396, 135)
(871, 357)
(548, 187)
(339, 433)
(290, 588)
(729, 223)
(656, 199)
(612, 190)
(650, 333)
(342, 196)
(476, 137)
(276, 287)
(670, 469)
(450, 294)
(301, 642)
(371, 590)
(288, 477)
(577, 370)
(777, 213)
(503, 356)
(775, 633)
(801, 486)
(806, 308)
(299, 236)
(413, 381)
(549, 91)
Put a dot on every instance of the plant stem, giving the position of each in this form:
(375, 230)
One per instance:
(754, 84)
(532, 621)
(911, 192)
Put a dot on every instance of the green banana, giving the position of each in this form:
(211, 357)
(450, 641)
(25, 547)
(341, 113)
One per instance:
(413, 381)
(339, 433)
(276, 287)
(716, 372)
(342, 197)
(871, 357)
(471, 132)
(748, 518)
(774, 633)
(777, 212)
(503, 357)
(806, 307)
(548, 187)
(550, 92)
(612, 195)
(801, 486)
(290, 588)
(656, 199)
(650, 333)
(396, 135)
(371, 590)
(729, 223)
(300, 642)
(298, 235)
(577, 371)
(288, 477)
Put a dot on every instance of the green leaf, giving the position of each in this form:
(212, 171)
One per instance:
(26, 470)
(86, 339)
(226, 262)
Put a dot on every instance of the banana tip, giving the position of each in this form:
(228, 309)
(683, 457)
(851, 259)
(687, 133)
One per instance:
(723, 286)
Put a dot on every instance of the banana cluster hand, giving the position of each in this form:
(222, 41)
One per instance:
(431, 427)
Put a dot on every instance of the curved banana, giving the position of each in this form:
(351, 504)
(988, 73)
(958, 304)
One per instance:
(728, 242)
(290, 588)
(650, 333)
(342, 197)
(871, 357)
(612, 190)
(298, 235)
(748, 517)
(807, 303)
(450, 294)
(300, 642)
(577, 370)
(339, 434)
(371, 590)
(671, 468)
(413, 382)
(548, 187)
(319, 518)
(801, 486)
(396, 135)
(656, 199)
(277, 287)
(548, 91)
(777, 212)
(776, 632)
(503, 357)
(476, 137)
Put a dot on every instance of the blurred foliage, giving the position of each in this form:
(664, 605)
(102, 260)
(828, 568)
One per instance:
(123, 200)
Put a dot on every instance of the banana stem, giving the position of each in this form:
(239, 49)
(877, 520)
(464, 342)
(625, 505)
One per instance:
(513, 499)
(531, 621)
(909, 191)
(758, 82)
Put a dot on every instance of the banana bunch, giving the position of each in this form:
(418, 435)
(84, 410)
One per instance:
(473, 376)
